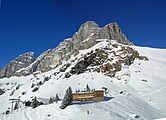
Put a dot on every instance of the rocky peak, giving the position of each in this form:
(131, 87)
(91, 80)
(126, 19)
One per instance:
(115, 33)
(86, 30)
(26, 57)
(89, 32)
(18, 63)
(88, 26)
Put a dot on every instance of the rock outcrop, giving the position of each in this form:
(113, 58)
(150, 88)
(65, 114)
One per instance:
(106, 60)
(18, 63)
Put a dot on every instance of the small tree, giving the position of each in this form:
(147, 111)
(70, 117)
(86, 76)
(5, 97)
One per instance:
(51, 100)
(67, 98)
(56, 98)
(87, 88)
(78, 90)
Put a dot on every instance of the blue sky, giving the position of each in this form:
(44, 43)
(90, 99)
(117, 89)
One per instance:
(37, 25)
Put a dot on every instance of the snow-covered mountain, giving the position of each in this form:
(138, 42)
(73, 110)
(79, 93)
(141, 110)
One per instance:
(86, 37)
(134, 77)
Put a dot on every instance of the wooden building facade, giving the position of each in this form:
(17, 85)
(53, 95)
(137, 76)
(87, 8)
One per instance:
(97, 96)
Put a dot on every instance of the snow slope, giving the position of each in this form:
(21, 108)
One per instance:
(142, 92)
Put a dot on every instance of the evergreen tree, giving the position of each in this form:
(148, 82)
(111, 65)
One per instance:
(87, 88)
(56, 98)
(78, 90)
(67, 98)
(51, 100)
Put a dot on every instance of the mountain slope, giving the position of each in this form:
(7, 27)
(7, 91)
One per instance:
(154, 72)
(141, 86)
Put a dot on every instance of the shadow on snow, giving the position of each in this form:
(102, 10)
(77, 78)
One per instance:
(106, 98)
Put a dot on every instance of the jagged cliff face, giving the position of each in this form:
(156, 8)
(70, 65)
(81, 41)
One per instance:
(21, 61)
(86, 37)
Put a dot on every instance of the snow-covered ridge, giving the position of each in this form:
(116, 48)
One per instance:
(137, 90)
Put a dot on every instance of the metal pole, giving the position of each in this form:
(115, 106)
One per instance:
(12, 106)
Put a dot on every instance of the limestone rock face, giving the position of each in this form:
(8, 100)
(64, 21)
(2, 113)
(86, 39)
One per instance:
(52, 58)
(21, 61)
(89, 32)
(32, 67)
(115, 33)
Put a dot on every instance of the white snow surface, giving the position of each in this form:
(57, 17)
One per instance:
(144, 92)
